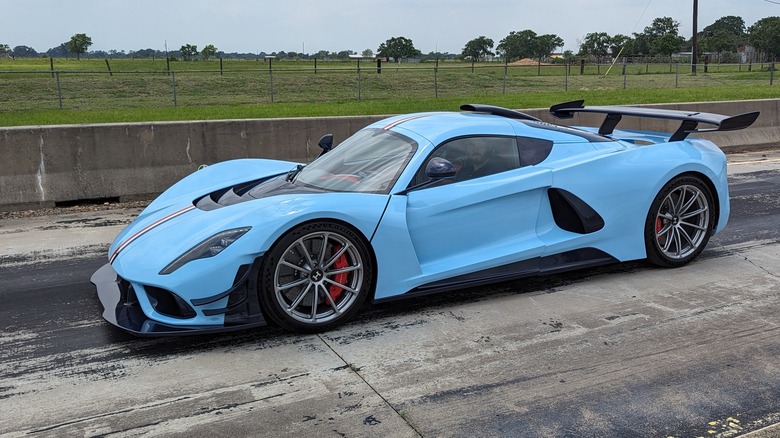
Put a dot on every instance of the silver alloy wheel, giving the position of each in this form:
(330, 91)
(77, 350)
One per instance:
(682, 222)
(318, 277)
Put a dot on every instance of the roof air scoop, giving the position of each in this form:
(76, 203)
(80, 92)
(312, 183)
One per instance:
(497, 111)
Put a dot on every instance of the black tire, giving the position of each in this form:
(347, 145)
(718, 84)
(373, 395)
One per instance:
(308, 290)
(680, 222)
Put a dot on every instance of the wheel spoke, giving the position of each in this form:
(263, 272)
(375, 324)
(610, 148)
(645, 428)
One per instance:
(694, 213)
(669, 239)
(299, 298)
(343, 286)
(296, 267)
(343, 270)
(688, 224)
(677, 241)
(305, 252)
(680, 200)
(332, 303)
(314, 301)
(325, 237)
(664, 230)
(684, 234)
(689, 204)
(292, 284)
(336, 256)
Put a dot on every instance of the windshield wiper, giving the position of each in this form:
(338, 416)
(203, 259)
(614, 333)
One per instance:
(294, 172)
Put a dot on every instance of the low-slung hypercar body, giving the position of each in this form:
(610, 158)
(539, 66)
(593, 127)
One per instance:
(411, 205)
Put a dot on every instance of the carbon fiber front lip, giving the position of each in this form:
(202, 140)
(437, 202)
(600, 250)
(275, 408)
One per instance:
(124, 312)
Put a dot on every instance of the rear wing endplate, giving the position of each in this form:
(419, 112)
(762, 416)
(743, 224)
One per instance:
(690, 120)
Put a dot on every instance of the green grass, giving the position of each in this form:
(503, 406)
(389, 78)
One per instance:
(142, 90)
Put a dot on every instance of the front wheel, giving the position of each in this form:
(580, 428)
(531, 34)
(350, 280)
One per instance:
(680, 222)
(315, 277)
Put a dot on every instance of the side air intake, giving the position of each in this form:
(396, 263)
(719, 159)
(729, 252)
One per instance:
(572, 213)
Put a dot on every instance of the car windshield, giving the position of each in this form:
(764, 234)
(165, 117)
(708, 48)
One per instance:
(369, 161)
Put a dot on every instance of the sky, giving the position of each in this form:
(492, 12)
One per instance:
(308, 26)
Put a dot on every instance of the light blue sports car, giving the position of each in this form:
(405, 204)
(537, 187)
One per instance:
(412, 205)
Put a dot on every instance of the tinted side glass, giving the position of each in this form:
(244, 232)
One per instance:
(533, 150)
(475, 157)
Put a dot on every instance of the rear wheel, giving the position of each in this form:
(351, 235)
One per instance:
(315, 277)
(680, 222)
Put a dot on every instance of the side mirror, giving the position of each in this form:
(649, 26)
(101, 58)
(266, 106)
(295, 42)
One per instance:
(439, 168)
(326, 143)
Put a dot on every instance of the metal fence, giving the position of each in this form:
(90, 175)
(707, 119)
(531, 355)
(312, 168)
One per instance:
(97, 90)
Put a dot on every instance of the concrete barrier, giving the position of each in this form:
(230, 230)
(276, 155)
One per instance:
(46, 165)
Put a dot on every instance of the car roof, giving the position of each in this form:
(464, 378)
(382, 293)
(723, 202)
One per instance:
(438, 127)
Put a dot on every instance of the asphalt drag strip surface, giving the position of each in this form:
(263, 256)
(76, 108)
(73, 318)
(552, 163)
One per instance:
(623, 350)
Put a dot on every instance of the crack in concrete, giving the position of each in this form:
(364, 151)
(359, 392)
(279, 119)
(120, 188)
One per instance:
(356, 370)
(734, 253)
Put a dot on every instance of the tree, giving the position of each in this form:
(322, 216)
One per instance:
(662, 26)
(143, 53)
(544, 46)
(618, 43)
(208, 51)
(726, 34)
(5, 50)
(764, 35)
(478, 49)
(667, 44)
(188, 52)
(78, 44)
(518, 45)
(595, 44)
(661, 38)
(344, 54)
(368, 53)
(398, 48)
(729, 24)
(60, 51)
(24, 52)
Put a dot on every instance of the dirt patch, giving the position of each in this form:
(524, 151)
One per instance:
(79, 208)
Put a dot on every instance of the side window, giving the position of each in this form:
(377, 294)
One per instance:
(475, 157)
(533, 150)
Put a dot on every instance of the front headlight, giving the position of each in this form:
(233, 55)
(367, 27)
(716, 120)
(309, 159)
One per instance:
(208, 248)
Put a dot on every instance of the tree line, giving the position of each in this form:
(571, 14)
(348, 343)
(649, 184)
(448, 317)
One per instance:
(725, 35)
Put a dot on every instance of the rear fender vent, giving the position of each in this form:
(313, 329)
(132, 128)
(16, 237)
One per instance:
(572, 213)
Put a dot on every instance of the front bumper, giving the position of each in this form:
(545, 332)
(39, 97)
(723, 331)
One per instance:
(121, 308)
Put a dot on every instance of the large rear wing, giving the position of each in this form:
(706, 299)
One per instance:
(690, 120)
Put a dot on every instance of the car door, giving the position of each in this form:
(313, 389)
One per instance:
(477, 220)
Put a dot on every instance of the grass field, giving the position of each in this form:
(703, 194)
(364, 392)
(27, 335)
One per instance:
(146, 90)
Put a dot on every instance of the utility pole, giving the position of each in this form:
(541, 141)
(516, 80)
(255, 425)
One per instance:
(695, 37)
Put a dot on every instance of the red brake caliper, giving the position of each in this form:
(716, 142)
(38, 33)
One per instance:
(340, 263)
(659, 225)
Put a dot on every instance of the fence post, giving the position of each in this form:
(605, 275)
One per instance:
(173, 82)
(51, 66)
(676, 74)
(506, 64)
(59, 90)
(436, 79)
(109, 67)
(566, 74)
(220, 66)
(358, 75)
(271, 76)
(624, 73)
(771, 73)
